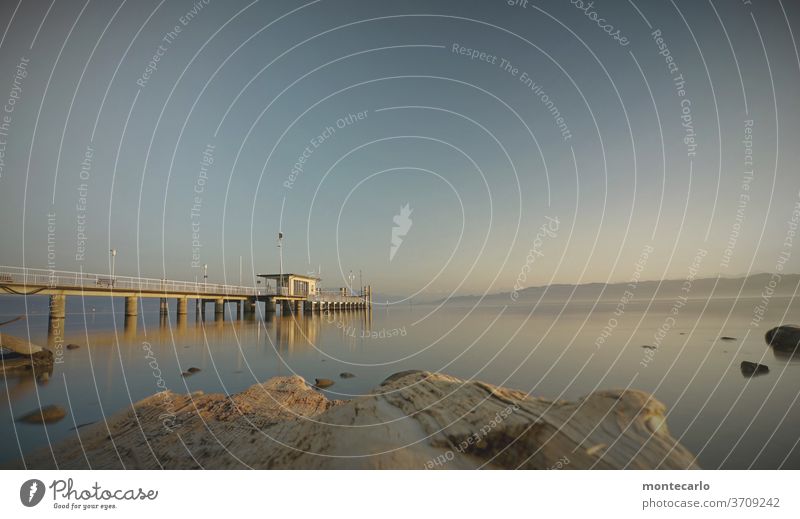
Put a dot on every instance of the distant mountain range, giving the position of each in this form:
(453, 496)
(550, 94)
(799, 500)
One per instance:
(749, 286)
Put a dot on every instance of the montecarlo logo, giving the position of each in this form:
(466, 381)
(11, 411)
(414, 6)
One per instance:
(32, 491)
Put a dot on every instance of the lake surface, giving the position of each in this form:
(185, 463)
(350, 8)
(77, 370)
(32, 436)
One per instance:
(728, 420)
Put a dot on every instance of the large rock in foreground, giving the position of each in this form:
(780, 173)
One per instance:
(414, 420)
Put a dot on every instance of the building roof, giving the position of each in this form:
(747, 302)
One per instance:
(288, 274)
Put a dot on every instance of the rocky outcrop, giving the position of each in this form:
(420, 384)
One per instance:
(18, 345)
(784, 338)
(21, 356)
(414, 420)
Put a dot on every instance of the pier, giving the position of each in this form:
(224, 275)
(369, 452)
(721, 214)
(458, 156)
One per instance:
(287, 293)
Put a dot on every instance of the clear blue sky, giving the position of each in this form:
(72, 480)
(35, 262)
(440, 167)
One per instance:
(473, 149)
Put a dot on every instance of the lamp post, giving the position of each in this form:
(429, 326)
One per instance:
(113, 261)
(205, 277)
(351, 277)
(280, 255)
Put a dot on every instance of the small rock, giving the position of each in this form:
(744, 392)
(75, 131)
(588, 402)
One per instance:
(649, 347)
(73, 346)
(186, 374)
(784, 338)
(594, 449)
(43, 378)
(323, 382)
(46, 414)
(194, 370)
(726, 338)
(752, 369)
(347, 374)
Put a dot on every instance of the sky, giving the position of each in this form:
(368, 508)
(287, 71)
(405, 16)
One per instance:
(533, 142)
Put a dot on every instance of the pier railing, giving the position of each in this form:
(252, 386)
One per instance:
(89, 281)
(334, 296)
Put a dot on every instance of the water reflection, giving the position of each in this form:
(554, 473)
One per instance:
(711, 406)
(290, 331)
(786, 356)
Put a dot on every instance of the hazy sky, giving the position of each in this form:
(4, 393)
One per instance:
(627, 139)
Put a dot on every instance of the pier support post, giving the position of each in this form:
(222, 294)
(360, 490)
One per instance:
(269, 305)
(298, 307)
(55, 325)
(183, 305)
(162, 307)
(131, 306)
(219, 307)
(58, 306)
(286, 307)
(249, 307)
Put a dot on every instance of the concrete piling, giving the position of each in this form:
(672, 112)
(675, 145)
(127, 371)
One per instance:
(131, 306)
(58, 304)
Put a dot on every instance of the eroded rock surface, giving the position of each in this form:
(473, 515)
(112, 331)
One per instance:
(416, 420)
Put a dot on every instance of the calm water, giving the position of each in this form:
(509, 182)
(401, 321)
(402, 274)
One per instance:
(728, 420)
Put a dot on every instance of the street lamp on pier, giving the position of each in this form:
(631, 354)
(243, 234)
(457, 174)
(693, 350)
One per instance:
(113, 261)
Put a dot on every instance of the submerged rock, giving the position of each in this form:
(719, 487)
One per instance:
(81, 425)
(416, 421)
(73, 346)
(323, 382)
(346, 374)
(784, 338)
(726, 338)
(649, 347)
(46, 414)
(194, 370)
(753, 369)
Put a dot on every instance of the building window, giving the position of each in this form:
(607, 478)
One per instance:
(300, 288)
